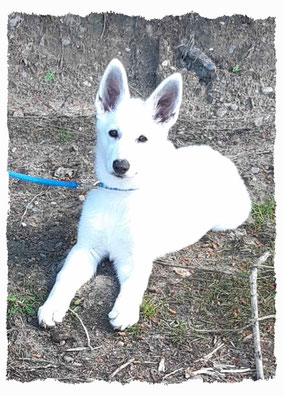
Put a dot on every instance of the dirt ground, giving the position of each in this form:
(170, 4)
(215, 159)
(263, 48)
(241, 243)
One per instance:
(196, 315)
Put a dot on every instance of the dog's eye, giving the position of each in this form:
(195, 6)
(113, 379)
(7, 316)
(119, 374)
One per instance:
(113, 133)
(142, 139)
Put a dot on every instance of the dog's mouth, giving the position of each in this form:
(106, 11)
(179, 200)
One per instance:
(119, 176)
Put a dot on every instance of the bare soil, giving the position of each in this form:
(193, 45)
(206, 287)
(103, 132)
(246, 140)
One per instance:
(196, 312)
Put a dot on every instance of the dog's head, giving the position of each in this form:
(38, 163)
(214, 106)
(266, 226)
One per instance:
(131, 132)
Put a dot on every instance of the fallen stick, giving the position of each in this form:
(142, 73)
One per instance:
(209, 356)
(237, 330)
(254, 309)
(84, 327)
(172, 373)
(121, 367)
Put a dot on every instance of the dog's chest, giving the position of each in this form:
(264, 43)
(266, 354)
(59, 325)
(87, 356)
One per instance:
(110, 216)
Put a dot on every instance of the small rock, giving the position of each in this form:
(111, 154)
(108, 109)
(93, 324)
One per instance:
(254, 170)
(13, 22)
(24, 224)
(234, 106)
(267, 90)
(81, 198)
(258, 121)
(221, 112)
(161, 367)
(68, 359)
(59, 336)
(62, 172)
(120, 343)
(42, 256)
(149, 29)
(127, 49)
(266, 117)
(74, 148)
(231, 48)
(87, 83)
(66, 42)
(18, 113)
(173, 68)
(165, 63)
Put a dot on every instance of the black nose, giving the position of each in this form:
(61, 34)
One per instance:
(120, 166)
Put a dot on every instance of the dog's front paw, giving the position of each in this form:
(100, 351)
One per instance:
(123, 316)
(49, 314)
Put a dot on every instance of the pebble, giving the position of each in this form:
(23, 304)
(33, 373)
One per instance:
(120, 343)
(13, 22)
(234, 107)
(165, 63)
(68, 359)
(258, 121)
(221, 112)
(267, 90)
(81, 198)
(254, 170)
(127, 49)
(232, 48)
(266, 117)
(66, 42)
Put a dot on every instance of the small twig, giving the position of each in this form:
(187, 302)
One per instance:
(254, 309)
(172, 373)
(121, 367)
(104, 26)
(208, 371)
(241, 370)
(207, 357)
(188, 267)
(136, 90)
(229, 330)
(35, 197)
(84, 327)
(42, 367)
(78, 349)
(262, 259)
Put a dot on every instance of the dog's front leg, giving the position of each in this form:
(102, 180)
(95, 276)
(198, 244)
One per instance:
(133, 274)
(80, 265)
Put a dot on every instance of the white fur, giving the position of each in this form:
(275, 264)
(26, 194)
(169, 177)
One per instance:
(181, 194)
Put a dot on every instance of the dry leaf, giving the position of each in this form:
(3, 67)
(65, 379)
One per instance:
(182, 272)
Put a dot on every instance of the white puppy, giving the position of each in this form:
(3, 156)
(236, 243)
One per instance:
(153, 198)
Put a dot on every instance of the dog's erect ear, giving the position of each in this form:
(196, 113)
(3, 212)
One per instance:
(113, 87)
(166, 99)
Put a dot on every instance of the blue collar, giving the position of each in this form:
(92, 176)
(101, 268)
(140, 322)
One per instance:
(102, 185)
